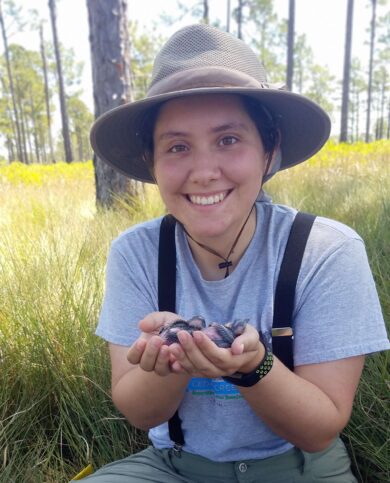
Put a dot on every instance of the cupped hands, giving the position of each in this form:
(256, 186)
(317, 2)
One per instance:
(196, 355)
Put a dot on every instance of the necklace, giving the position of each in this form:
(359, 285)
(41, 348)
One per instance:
(226, 262)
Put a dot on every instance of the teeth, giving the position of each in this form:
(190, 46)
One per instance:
(207, 200)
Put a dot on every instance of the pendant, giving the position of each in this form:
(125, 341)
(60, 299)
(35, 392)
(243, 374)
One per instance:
(225, 264)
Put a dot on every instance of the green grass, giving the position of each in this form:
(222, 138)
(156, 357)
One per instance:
(55, 409)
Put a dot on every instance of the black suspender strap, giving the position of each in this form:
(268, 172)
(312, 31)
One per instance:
(282, 332)
(167, 265)
(167, 299)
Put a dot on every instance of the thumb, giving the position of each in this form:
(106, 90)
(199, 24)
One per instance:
(237, 347)
(247, 341)
(155, 320)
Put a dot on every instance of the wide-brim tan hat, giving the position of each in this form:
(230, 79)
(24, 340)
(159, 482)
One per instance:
(200, 59)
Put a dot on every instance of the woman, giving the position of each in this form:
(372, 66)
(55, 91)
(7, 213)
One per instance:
(209, 133)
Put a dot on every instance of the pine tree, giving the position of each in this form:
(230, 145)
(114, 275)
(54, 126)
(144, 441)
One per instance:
(64, 113)
(290, 45)
(370, 69)
(109, 40)
(346, 76)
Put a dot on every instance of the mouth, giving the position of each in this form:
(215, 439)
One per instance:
(207, 200)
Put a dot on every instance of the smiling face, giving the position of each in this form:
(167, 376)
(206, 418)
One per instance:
(209, 161)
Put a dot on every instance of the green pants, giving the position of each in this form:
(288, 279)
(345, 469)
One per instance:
(295, 466)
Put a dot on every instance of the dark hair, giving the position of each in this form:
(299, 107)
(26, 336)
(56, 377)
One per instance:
(147, 126)
(264, 121)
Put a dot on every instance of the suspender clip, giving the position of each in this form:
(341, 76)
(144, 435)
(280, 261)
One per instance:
(177, 450)
(282, 332)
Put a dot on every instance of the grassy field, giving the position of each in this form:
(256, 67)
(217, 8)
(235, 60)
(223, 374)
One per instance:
(55, 410)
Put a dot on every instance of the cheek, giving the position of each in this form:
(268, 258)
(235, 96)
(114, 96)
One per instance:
(248, 170)
(169, 177)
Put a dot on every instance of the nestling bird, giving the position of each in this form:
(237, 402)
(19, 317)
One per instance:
(222, 335)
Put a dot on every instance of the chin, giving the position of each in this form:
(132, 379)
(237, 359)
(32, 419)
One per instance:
(207, 232)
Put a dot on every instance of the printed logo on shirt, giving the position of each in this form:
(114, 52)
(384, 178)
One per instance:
(218, 388)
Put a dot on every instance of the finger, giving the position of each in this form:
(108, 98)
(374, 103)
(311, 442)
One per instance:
(135, 352)
(197, 349)
(210, 349)
(225, 361)
(155, 320)
(162, 367)
(248, 341)
(178, 368)
(179, 359)
(237, 348)
(150, 354)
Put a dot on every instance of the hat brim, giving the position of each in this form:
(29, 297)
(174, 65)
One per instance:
(304, 127)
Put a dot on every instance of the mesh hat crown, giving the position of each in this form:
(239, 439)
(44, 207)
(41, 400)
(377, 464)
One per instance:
(200, 59)
(207, 55)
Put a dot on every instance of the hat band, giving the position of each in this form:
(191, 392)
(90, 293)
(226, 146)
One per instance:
(206, 77)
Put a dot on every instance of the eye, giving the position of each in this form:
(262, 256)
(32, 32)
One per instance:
(177, 148)
(228, 140)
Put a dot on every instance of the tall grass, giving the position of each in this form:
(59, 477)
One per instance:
(352, 184)
(55, 409)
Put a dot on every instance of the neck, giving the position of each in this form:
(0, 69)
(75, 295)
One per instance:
(208, 262)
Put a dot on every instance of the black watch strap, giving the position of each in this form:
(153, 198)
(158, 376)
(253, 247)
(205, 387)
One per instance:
(252, 378)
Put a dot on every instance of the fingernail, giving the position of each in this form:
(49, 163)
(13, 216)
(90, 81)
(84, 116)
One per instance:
(198, 336)
(183, 337)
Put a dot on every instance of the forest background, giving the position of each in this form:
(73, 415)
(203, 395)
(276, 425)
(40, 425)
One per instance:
(59, 210)
(319, 74)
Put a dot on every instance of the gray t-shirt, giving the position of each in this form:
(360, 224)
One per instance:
(336, 315)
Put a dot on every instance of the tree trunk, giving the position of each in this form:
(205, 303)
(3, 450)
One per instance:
(346, 75)
(80, 148)
(42, 144)
(34, 128)
(371, 64)
(25, 153)
(239, 18)
(206, 11)
(290, 45)
(109, 41)
(382, 108)
(357, 116)
(10, 148)
(11, 88)
(47, 95)
(12, 139)
(64, 113)
(228, 13)
(377, 122)
(352, 116)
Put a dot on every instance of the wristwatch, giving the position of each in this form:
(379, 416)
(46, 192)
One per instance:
(252, 378)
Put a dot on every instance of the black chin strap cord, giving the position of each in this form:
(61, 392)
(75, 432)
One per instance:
(226, 263)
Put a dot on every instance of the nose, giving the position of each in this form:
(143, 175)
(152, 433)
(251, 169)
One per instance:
(205, 167)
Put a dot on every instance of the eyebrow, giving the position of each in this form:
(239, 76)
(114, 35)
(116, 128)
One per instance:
(172, 134)
(230, 125)
(217, 129)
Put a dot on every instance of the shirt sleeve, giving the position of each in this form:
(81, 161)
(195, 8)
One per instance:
(338, 313)
(129, 296)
